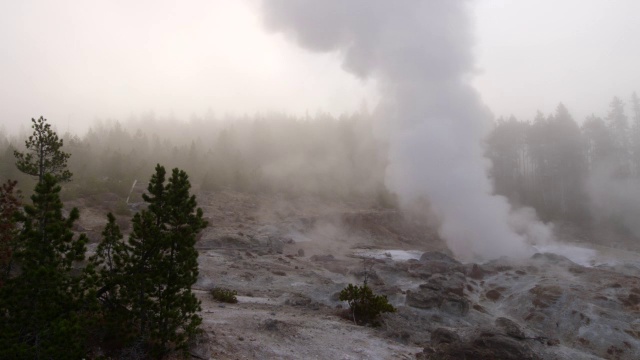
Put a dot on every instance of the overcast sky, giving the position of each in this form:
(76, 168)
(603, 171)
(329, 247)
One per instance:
(74, 61)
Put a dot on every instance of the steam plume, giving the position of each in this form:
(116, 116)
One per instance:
(420, 53)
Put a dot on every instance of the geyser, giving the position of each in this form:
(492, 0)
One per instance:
(420, 53)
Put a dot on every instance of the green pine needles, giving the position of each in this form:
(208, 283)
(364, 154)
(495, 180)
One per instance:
(146, 281)
(133, 296)
(41, 306)
(364, 305)
(44, 154)
(224, 295)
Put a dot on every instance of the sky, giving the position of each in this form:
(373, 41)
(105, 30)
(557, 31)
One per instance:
(533, 54)
(75, 61)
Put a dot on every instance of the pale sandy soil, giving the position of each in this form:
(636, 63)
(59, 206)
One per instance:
(289, 257)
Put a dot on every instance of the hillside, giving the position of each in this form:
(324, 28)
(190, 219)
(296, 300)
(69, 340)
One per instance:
(289, 257)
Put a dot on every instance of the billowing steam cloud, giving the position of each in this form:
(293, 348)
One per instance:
(419, 52)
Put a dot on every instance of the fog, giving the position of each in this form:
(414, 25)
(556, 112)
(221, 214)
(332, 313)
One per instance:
(74, 61)
(396, 102)
(421, 55)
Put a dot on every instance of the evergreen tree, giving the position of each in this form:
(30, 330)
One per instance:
(44, 155)
(110, 258)
(105, 273)
(41, 305)
(635, 134)
(9, 203)
(569, 165)
(163, 265)
(598, 142)
(618, 125)
(507, 149)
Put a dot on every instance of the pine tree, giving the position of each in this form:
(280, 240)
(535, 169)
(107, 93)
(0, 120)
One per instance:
(44, 155)
(105, 273)
(163, 265)
(598, 141)
(9, 203)
(41, 305)
(110, 259)
(635, 134)
(618, 125)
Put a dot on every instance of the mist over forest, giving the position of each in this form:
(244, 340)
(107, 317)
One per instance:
(425, 211)
(337, 157)
(570, 172)
(584, 172)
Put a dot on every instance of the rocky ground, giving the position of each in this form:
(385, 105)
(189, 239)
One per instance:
(289, 257)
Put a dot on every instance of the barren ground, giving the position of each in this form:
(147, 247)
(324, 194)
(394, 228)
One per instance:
(289, 257)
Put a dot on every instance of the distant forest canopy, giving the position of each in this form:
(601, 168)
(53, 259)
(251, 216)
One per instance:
(321, 155)
(588, 173)
(584, 174)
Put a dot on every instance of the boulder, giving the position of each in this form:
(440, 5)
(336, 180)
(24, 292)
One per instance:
(275, 245)
(456, 305)
(199, 347)
(486, 346)
(476, 272)
(444, 336)
(431, 256)
(434, 263)
(429, 298)
(491, 346)
(449, 284)
(424, 298)
(493, 295)
(322, 258)
(509, 327)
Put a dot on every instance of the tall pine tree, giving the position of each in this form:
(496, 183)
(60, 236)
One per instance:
(618, 125)
(44, 154)
(634, 134)
(41, 305)
(162, 264)
(9, 203)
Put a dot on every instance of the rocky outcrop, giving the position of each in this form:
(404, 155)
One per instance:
(509, 327)
(484, 346)
(444, 336)
(444, 292)
(199, 347)
(433, 262)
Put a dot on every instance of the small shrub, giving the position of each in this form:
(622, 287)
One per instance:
(225, 295)
(365, 306)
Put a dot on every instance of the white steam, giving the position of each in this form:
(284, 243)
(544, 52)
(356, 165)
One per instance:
(420, 54)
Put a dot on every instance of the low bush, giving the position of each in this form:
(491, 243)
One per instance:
(225, 295)
(365, 306)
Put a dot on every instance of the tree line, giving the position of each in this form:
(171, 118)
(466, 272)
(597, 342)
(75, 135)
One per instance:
(131, 298)
(549, 163)
(322, 155)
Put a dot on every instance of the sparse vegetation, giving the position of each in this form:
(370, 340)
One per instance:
(42, 306)
(145, 282)
(364, 305)
(224, 295)
(324, 155)
(9, 205)
(133, 295)
(44, 154)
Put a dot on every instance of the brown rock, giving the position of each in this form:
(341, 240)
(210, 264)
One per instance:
(509, 327)
(444, 336)
(493, 295)
(476, 272)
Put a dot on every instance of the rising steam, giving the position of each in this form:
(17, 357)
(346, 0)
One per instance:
(420, 54)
